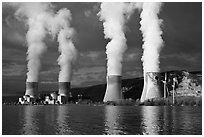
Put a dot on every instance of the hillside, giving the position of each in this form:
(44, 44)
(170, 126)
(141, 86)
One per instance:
(189, 84)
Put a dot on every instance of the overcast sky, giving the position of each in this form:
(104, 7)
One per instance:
(182, 34)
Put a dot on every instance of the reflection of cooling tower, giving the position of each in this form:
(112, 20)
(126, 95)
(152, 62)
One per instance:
(151, 87)
(31, 88)
(64, 88)
(151, 124)
(113, 89)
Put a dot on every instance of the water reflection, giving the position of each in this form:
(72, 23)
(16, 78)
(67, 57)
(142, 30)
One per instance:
(29, 121)
(113, 120)
(171, 120)
(167, 118)
(89, 120)
(152, 122)
(62, 120)
(187, 122)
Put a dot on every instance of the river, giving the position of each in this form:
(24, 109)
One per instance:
(101, 120)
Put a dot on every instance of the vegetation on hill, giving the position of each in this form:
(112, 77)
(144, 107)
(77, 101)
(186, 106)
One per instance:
(179, 101)
(189, 84)
(189, 87)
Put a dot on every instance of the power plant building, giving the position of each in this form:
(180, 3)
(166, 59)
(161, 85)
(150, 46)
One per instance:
(64, 89)
(31, 89)
(113, 89)
(55, 98)
(152, 87)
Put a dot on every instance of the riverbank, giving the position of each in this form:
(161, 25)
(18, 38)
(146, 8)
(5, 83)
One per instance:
(179, 101)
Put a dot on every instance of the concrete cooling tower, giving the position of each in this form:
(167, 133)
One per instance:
(64, 88)
(113, 89)
(151, 87)
(31, 89)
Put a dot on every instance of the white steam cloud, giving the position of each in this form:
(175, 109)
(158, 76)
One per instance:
(151, 31)
(41, 19)
(114, 17)
(68, 54)
(60, 24)
(33, 14)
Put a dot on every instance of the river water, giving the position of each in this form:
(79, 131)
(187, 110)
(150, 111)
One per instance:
(101, 120)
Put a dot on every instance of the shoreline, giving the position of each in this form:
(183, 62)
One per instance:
(178, 101)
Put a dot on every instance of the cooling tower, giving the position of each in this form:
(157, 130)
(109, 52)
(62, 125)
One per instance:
(31, 89)
(151, 87)
(113, 89)
(64, 88)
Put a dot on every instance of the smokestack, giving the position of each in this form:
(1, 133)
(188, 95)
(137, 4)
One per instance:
(31, 89)
(64, 88)
(151, 86)
(153, 43)
(114, 17)
(113, 89)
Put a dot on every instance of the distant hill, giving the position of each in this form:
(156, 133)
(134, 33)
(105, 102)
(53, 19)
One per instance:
(189, 84)
(132, 88)
(97, 92)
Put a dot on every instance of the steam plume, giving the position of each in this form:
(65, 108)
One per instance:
(68, 54)
(151, 31)
(41, 19)
(59, 24)
(114, 17)
(33, 14)
(66, 47)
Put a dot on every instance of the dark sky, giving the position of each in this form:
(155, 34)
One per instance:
(182, 34)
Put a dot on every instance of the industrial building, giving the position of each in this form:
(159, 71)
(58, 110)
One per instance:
(152, 87)
(113, 89)
(60, 97)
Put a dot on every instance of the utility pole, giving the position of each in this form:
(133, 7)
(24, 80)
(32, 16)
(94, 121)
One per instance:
(174, 85)
(173, 93)
(165, 79)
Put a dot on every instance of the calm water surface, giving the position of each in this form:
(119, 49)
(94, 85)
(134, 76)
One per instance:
(97, 120)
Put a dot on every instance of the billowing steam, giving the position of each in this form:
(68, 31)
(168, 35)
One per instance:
(151, 31)
(68, 54)
(41, 19)
(114, 17)
(33, 15)
(60, 24)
